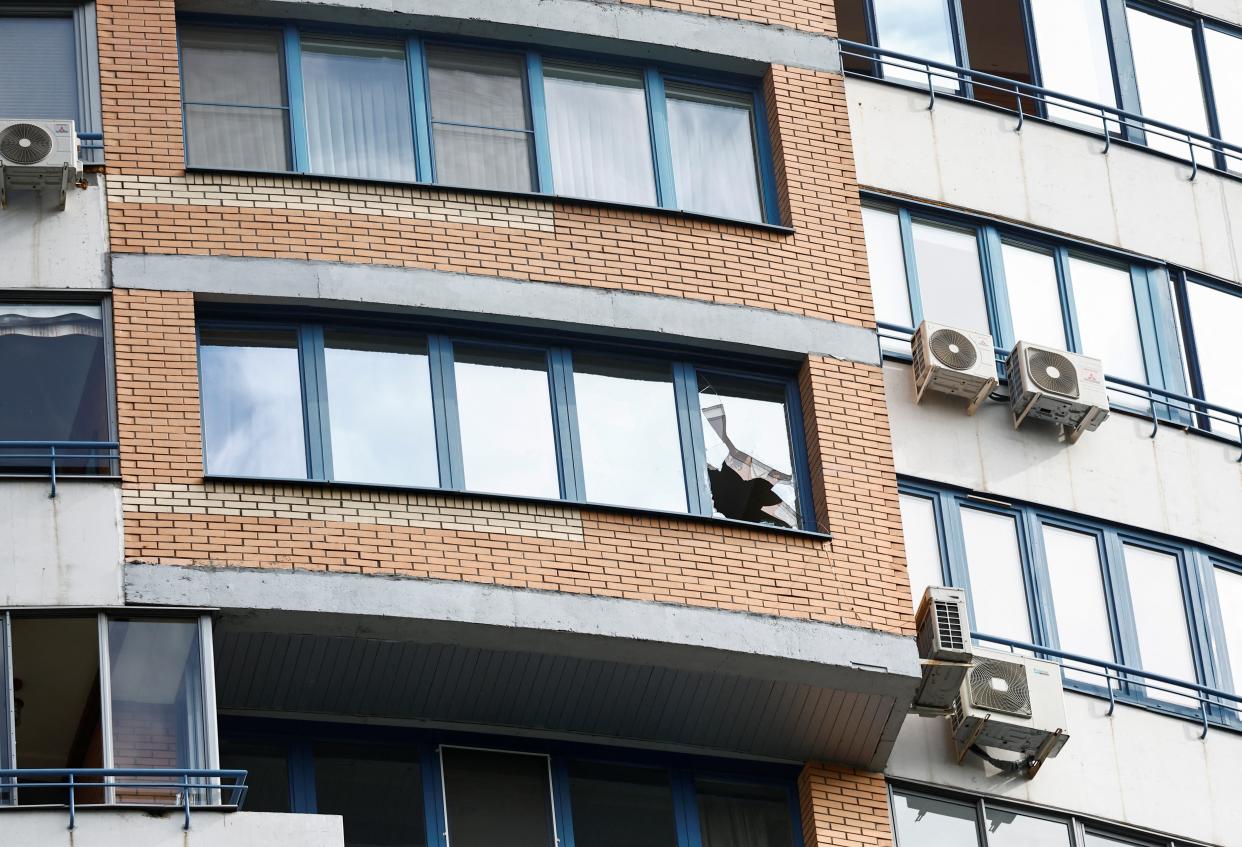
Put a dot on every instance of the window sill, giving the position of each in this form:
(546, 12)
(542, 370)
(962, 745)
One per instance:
(705, 520)
(758, 226)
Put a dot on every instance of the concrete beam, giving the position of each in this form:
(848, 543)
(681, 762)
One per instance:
(612, 27)
(741, 329)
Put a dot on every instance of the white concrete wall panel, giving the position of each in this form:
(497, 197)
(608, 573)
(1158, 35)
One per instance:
(43, 247)
(116, 828)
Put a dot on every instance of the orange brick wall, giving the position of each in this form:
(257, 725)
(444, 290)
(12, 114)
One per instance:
(810, 15)
(843, 807)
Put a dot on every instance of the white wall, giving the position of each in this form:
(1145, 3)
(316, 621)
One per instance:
(42, 247)
(1136, 767)
(970, 157)
(116, 828)
(61, 551)
(1229, 11)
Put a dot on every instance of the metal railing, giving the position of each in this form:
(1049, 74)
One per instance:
(1127, 684)
(49, 457)
(1036, 101)
(226, 789)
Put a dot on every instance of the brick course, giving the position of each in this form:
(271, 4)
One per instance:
(843, 807)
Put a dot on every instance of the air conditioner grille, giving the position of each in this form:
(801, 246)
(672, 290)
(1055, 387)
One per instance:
(999, 686)
(25, 144)
(1052, 372)
(949, 625)
(952, 349)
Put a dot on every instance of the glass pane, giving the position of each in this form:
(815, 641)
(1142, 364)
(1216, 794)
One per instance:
(749, 459)
(1216, 316)
(497, 798)
(928, 822)
(1074, 56)
(252, 403)
(1104, 304)
(627, 425)
(480, 117)
(267, 772)
(598, 131)
(157, 701)
(1229, 597)
(621, 806)
(1224, 52)
(53, 381)
(950, 282)
(918, 526)
(377, 790)
(1034, 297)
(852, 26)
(358, 109)
(38, 68)
(737, 815)
(712, 137)
(919, 28)
(379, 405)
(996, 44)
(245, 138)
(1167, 69)
(886, 262)
(1078, 597)
(1160, 618)
(994, 565)
(505, 410)
(1009, 829)
(1094, 839)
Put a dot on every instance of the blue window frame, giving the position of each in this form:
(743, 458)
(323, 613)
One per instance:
(669, 799)
(1093, 589)
(1208, 311)
(495, 411)
(477, 115)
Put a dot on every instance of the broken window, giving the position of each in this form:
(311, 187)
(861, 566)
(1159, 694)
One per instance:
(749, 455)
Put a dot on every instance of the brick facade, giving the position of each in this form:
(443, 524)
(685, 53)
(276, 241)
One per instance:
(809, 15)
(843, 807)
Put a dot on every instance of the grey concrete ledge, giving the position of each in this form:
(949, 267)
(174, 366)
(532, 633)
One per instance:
(392, 608)
(654, 317)
(603, 25)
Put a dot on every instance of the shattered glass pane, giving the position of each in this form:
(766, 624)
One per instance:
(749, 459)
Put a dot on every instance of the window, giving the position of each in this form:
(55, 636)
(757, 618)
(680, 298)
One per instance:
(1160, 615)
(1224, 58)
(932, 822)
(1212, 314)
(38, 67)
(1034, 295)
(1166, 65)
(497, 798)
(994, 565)
(1010, 829)
(922, 28)
(616, 805)
(738, 814)
(995, 34)
(1076, 576)
(54, 378)
(1105, 311)
(1074, 55)
(711, 133)
(376, 789)
(396, 405)
(266, 764)
(946, 261)
(918, 524)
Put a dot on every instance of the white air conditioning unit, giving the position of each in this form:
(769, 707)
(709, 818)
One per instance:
(37, 155)
(1011, 702)
(953, 361)
(1053, 385)
(944, 646)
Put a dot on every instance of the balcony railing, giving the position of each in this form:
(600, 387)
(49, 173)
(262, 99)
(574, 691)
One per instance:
(190, 788)
(1030, 100)
(1127, 684)
(50, 458)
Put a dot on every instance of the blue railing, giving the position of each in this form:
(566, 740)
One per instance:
(1032, 100)
(49, 456)
(1134, 685)
(224, 789)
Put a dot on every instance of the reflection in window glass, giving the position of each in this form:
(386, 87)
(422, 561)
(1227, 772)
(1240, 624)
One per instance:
(621, 805)
(930, 822)
(739, 815)
(749, 458)
(918, 526)
(234, 90)
(1160, 617)
(379, 406)
(950, 282)
(1034, 297)
(598, 132)
(1167, 68)
(45, 43)
(712, 138)
(627, 426)
(994, 566)
(1010, 829)
(377, 790)
(919, 28)
(496, 798)
(1216, 316)
(53, 381)
(267, 772)
(1078, 597)
(505, 411)
(1229, 597)
(886, 264)
(357, 96)
(1074, 55)
(480, 122)
(252, 403)
(1224, 55)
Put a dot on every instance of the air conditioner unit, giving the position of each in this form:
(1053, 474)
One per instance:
(38, 155)
(944, 646)
(953, 361)
(1011, 702)
(1053, 385)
